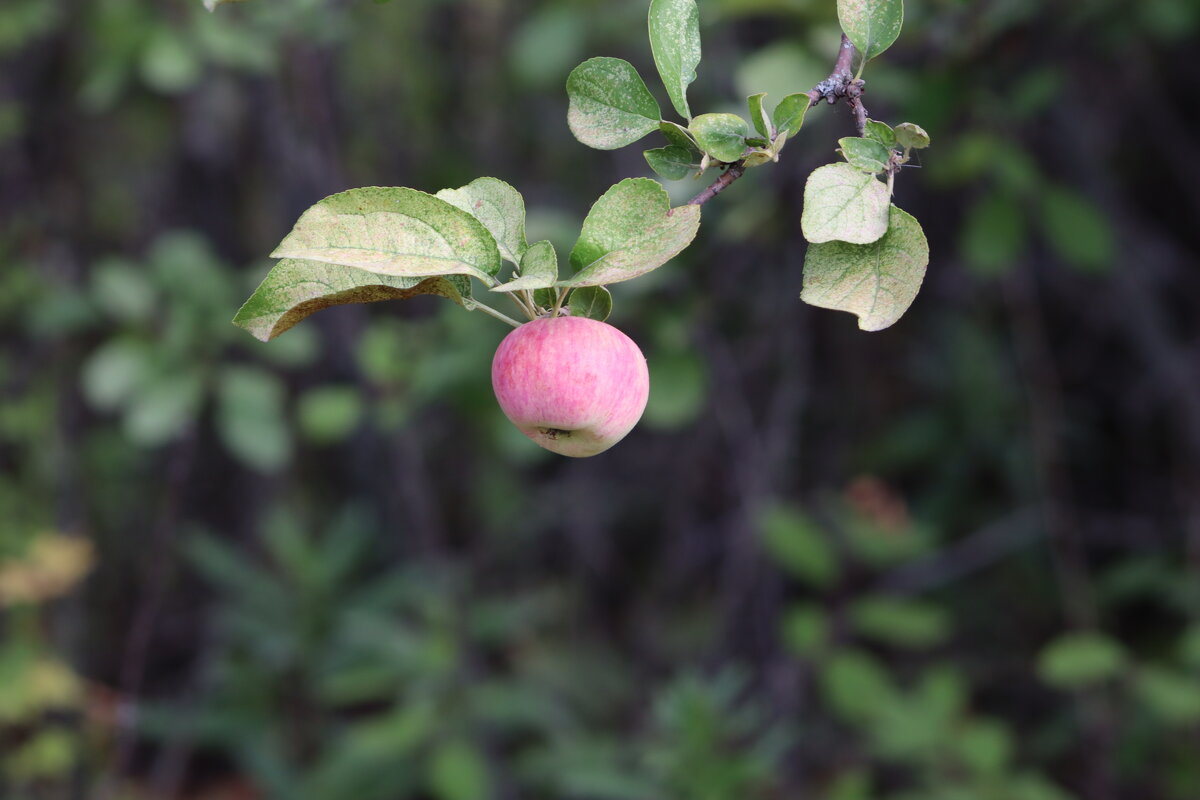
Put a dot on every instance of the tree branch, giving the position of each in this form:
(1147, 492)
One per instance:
(841, 84)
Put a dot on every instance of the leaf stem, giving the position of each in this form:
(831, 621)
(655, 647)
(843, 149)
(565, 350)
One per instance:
(841, 84)
(494, 313)
(558, 301)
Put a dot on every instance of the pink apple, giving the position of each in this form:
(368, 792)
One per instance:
(573, 385)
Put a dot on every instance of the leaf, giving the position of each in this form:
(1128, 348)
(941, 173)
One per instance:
(758, 115)
(880, 132)
(328, 414)
(211, 5)
(901, 622)
(539, 269)
(670, 162)
(856, 686)
(1075, 660)
(844, 204)
(912, 136)
(593, 302)
(610, 105)
(1173, 697)
(994, 234)
(295, 288)
(499, 207)
(799, 546)
(722, 136)
(675, 42)
(677, 135)
(876, 281)
(457, 771)
(393, 231)
(1076, 229)
(790, 113)
(871, 25)
(867, 155)
(630, 231)
(250, 417)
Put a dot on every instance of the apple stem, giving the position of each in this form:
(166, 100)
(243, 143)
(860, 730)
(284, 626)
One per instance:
(523, 303)
(494, 313)
(558, 301)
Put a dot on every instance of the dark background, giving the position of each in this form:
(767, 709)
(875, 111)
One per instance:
(958, 559)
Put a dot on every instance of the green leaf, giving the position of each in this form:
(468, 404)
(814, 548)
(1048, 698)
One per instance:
(675, 42)
(295, 288)
(499, 207)
(842, 203)
(880, 132)
(911, 136)
(871, 25)
(630, 231)
(905, 623)
(865, 154)
(1172, 696)
(610, 105)
(722, 136)
(758, 115)
(250, 418)
(670, 162)
(1075, 660)
(328, 414)
(211, 5)
(856, 686)
(539, 269)
(457, 771)
(876, 281)
(798, 545)
(1076, 229)
(678, 135)
(593, 302)
(805, 630)
(393, 231)
(994, 234)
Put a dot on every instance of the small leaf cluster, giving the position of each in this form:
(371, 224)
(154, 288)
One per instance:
(866, 255)
(610, 105)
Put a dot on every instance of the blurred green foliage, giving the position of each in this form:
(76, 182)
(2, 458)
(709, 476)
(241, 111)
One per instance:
(952, 561)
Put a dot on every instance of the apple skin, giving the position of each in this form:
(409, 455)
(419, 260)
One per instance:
(573, 385)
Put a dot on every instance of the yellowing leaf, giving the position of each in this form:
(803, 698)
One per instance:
(845, 204)
(51, 567)
(876, 281)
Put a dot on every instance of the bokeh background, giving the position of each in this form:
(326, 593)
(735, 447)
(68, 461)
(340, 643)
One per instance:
(955, 560)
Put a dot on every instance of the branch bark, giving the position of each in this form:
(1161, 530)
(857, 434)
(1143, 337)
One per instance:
(840, 85)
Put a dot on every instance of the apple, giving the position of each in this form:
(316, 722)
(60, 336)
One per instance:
(573, 385)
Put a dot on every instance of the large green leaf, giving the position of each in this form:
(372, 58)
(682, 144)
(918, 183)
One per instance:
(722, 136)
(872, 25)
(393, 231)
(845, 204)
(539, 269)
(675, 42)
(610, 105)
(499, 207)
(296, 288)
(876, 281)
(630, 231)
